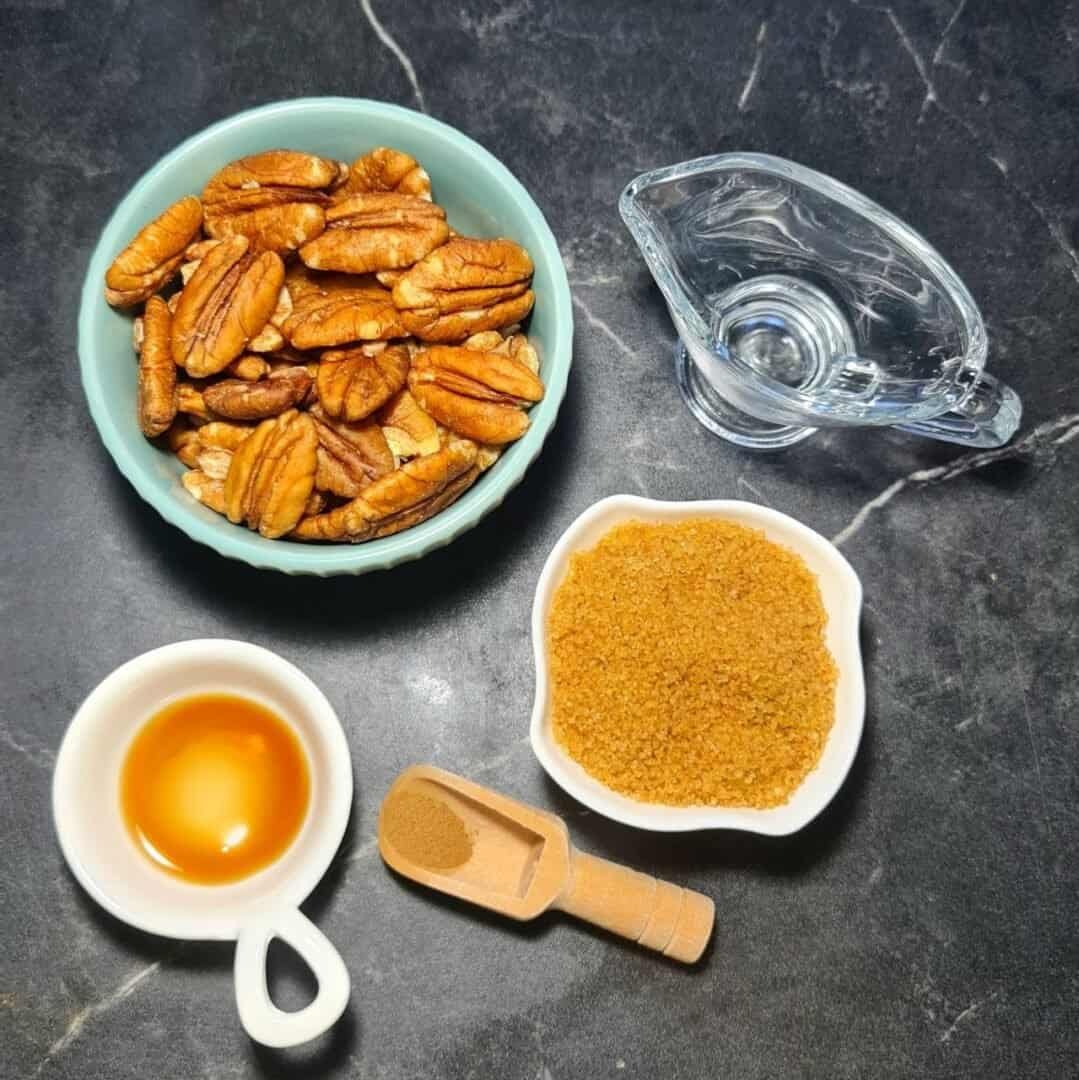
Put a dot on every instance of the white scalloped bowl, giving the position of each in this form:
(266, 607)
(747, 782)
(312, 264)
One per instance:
(841, 594)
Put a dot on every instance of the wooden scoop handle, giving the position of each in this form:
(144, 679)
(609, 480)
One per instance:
(674, 921)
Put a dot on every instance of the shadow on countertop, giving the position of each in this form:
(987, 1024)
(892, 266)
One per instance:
(342, 607)
(291, 983)
(679, 856)
(539, 927)
(319, 1058)
(682, 854)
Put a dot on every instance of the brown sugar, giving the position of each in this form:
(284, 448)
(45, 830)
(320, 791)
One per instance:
(688, 665)
(425, 830)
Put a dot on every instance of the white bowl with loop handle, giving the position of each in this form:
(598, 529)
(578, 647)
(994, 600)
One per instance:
(253, 910)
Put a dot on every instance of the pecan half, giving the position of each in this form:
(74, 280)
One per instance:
(484, 341)
(239, 400)
(365, 435)
(270, 338)
(199, 249)
(389, 278)
(479, 395)
(248, 367)
(214, 461)
(183, 440)
(405, 497)
(228, 300)
(464, 287)
(275, 198)
(283, 368)
(298, 280)
(352, 384)
(189, 400)
(154, 255)
(208, 490)
(193, 255)
(515, 345)
(337, 310)
(157, 372)
(272, 474)
(288, 357)
(486, 456)
(281, 363)
(187, 269)
(385, 169)
(223, 435)
(409, 431)
(348, 464)
(521, 349)
(379, 231)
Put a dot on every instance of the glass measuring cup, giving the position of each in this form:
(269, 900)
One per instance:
(801, 304)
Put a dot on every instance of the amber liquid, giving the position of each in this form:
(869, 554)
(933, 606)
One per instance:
(214, 788)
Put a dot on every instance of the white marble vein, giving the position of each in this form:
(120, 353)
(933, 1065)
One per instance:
(743, 98)
(1052, 433)
(908, 44)
(493, 24)
(1054, 225)
(824, 52)
(938, 56)
(745, 484)
(499, 759)
(97, 1008)
(602, 327)
(388, 40)
(41, 756)
(367, 848)
(967, 1014)
(919, 63)
(855, 524)
(598, 280)
(1030, 728)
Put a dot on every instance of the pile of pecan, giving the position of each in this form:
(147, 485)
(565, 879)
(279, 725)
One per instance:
(337, 363)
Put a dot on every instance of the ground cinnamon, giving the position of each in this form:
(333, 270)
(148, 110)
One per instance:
(425, 830)
(688, 665)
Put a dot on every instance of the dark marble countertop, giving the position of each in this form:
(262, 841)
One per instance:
(926, 924)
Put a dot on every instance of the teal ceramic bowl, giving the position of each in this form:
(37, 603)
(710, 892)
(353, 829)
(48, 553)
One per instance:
(481, 198)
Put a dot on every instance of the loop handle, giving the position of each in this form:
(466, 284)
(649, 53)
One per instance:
(261, 1018)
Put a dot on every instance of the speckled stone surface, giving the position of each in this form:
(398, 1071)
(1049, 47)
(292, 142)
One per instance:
(926, 924)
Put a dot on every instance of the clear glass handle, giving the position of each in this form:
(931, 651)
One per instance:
(988, 417)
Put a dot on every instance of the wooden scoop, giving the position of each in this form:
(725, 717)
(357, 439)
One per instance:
(523, 863)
